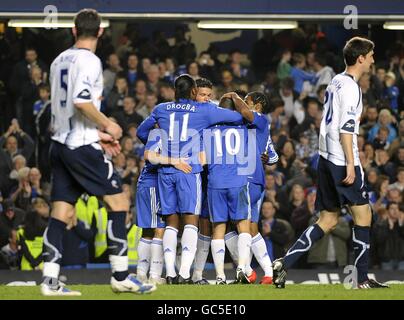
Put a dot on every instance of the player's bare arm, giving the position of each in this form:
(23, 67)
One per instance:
(101, 120)
(346, 142)
(178, 163)
(240, 106)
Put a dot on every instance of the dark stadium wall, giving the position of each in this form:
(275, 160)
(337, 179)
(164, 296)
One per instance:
(210, 6)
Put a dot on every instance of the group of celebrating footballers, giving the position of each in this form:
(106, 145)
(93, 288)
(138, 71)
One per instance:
(204, 171)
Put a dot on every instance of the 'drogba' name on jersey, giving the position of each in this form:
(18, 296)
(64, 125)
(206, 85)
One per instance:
(179, 106)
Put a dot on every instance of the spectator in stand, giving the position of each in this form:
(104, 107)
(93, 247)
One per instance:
(298, 74)
(394, 195)
(379, 198)
(193, 70)
(275, 117)
(9, 148)
(128, 115)
(30, 237)
(43, 132)
(289, 97)
(227, 83)
(207, 67)
(301, 216)
(23, 195)
(391, 91)
(277, 233)
(369, 119)
(39, 188)
(385, 119)
(127, 145)
(240, 73)
(368, 94)
(140, 92)
(324, 73)
(380, 142)
(307, 121)
(131, 72)
(389, 238)
(399, 141)
(76, 244)
(399, 184)
(369, 156)
(30, 94)
(117, 95)
(270, 84)
(295, 200)
(153, 78)
(170, 74)
(11, 219)
(22, 70)
(145, 65)
(167, 92)
(110, 73)
(284, 68)
(331, 251)
(384, 165)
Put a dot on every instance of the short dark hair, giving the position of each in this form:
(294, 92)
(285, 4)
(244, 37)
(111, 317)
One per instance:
(43, 86)
(276, 103)
(287, 83)
(320, 59)
(87, 23)
(183, 86)
(356, 47)
(204, 83)
(259, 97)
(390, 204)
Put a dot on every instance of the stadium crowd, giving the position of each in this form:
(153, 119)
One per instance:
(292, 68)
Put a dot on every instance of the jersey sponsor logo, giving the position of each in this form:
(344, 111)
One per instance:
(84, 94)
(349, 126)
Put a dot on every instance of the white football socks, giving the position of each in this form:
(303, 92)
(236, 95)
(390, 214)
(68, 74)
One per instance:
(189, 241)
(218, 252)
(157, 258)
(260, 251)
(231, 240)
(143, 251)
(202, 252)
(170, 250)
(244, 248)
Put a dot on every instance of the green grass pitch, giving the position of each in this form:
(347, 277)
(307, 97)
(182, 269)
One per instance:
(213, 292)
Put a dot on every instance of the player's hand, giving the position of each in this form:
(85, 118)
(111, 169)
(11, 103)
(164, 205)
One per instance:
(264, 158)
(114, 130)
(110, 146)
(350, 175)
(266, 228)
(182, 165)
(230, 95)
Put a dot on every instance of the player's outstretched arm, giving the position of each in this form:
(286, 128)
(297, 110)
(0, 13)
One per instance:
(145, 127)
(100, 119)
(240, 106)
(178, 163)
